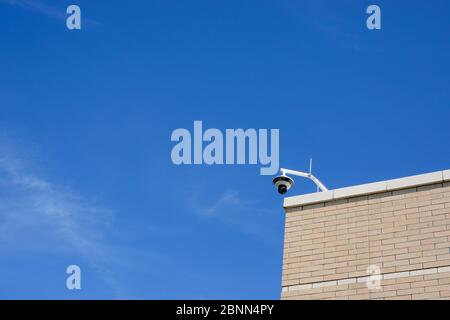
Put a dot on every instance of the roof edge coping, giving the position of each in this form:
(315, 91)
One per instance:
(368, 188)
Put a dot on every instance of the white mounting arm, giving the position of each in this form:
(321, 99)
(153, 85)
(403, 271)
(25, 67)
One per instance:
(304, 175)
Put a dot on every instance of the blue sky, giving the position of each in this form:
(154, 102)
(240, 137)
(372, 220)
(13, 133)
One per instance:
(86, 176)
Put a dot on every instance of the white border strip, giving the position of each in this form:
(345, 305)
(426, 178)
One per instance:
(386, 276)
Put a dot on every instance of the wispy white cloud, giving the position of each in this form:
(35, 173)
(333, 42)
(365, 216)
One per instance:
(326, 18)
(40, 216)
(227, 199)
(231, 209)
(40, 7)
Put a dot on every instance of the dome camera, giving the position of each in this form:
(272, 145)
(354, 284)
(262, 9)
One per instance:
(283, 183)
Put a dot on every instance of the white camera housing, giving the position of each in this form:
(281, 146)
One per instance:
(283, 183)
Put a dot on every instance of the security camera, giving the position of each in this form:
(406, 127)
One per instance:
(283, 183)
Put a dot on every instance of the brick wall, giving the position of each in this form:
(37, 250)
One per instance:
(405, 233)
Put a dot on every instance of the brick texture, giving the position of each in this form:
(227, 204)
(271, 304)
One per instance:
(329, 246)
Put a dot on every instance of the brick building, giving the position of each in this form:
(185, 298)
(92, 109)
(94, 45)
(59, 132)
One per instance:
(383, 240)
